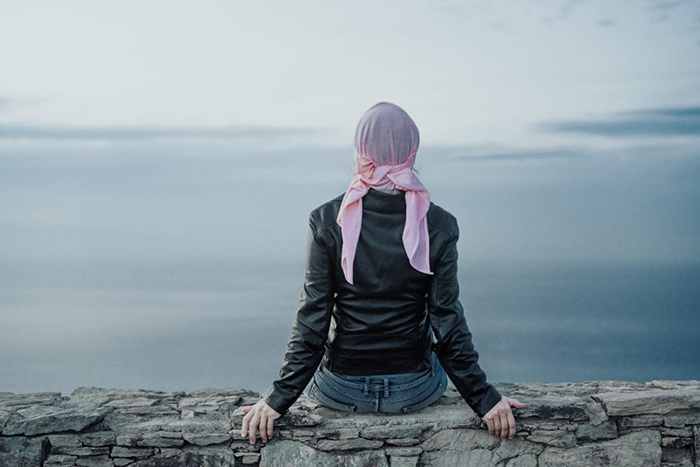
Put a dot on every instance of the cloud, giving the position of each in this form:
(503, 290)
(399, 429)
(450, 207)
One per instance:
(669, 5)
(659, 11)
(666, 111)
(480, 154)
(607, 23)
(58, 132)
(669, 121)
(563, 11)
(665, 150)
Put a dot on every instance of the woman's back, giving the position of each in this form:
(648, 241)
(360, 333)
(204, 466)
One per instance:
(338, 324)
(380, 323)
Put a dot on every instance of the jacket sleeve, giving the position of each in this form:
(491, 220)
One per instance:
(454, 345)
(305, 348)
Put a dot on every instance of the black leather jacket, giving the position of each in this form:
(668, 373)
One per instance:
(382, 323)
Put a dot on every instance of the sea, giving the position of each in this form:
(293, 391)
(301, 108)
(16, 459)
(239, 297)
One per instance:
(193, 324)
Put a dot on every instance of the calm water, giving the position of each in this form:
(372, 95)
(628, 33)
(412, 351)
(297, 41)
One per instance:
(183, 325)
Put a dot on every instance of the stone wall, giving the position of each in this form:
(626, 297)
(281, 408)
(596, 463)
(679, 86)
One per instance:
(594, 423)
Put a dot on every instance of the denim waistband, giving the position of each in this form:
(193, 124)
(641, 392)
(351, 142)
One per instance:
(397, 382)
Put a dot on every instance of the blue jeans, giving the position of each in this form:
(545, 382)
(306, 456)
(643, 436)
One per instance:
(398, 393)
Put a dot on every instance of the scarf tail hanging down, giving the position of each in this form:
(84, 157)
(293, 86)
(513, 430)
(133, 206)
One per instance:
(415, 236)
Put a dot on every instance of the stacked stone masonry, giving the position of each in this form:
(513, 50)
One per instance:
(593, 423)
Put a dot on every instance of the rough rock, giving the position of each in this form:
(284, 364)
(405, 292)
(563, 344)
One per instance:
(19, 451)
(48, 419)
(649, 401)
(296, 454)
(589, 423)
(641, 449)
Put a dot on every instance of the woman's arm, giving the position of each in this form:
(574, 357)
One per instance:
(310, 330)
(454, 345)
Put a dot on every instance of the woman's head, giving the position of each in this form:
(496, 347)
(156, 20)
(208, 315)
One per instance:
(386, 134)
(386, 143)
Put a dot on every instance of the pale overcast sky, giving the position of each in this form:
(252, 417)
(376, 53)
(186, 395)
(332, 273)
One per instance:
(469, 72)
(159, 160)
(570, 117)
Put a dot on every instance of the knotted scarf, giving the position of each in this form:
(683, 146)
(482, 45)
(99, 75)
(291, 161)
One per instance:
(386, 142)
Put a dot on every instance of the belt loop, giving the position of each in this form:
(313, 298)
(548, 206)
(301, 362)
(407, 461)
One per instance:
(386, 387)
(366, 390)
(432, 371)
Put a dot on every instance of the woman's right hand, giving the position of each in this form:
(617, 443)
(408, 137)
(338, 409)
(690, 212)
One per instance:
(500, 418)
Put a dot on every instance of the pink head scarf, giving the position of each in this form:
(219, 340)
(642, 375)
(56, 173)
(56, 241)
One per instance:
(386, 143)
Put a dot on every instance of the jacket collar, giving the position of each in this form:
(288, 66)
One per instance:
(379, 201)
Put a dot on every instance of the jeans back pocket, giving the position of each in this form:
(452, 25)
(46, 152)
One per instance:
(437, 394)
(317, 394)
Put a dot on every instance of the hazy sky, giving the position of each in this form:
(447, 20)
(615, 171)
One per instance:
(553, 130)
(159, 160)
(469, 72)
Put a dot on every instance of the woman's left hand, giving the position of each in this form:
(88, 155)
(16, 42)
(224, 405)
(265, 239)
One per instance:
(260, 416)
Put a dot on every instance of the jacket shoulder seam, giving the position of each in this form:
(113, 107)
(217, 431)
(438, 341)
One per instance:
(325, 227)
(451, 234)
(441, 214)
(314, 215)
